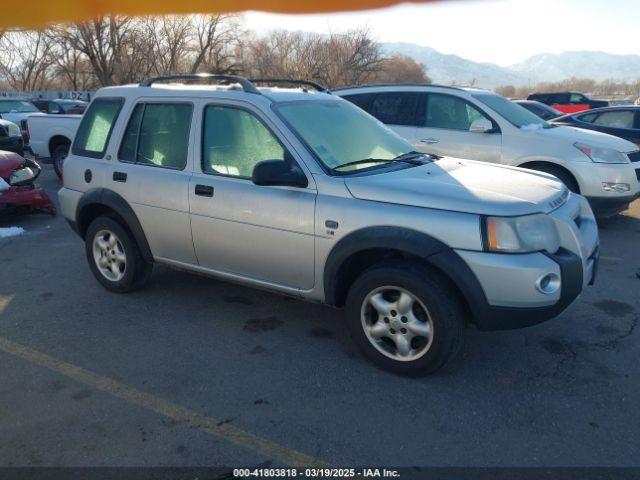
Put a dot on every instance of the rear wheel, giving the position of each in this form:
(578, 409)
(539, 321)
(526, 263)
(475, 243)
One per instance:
(114, 257)
(405, 318)
(58, 156)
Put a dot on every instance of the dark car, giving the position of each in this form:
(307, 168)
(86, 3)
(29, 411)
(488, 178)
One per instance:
(623, 122)
(11, 138)
(61, 106)
(540, 109)
(568, 102)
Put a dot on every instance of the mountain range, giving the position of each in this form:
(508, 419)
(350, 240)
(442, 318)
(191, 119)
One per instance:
(544, 67)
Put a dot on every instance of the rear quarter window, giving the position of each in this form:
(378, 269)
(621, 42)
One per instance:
(96, 126)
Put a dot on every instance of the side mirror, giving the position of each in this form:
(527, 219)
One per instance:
(278, 173)
(481, 125)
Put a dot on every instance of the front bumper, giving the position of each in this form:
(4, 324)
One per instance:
(508, 296)
(591, 176)
(605, 206)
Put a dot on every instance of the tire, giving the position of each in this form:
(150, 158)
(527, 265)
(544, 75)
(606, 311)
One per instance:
(120, 267)
(432, 295)
(58, 156)
(562, 175)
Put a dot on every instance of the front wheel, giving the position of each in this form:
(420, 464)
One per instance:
(405, 318)
(59, 155)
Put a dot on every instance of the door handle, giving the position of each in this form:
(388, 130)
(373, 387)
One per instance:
(204, 190)
(429, 141)
(119, 177)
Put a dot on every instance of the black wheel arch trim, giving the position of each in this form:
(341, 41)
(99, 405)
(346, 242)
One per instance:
(450, 264)
(404, 240)
(115, 202)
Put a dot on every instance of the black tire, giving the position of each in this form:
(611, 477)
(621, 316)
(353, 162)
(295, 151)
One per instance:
(433, 291)
(136, 271)
(58, 156)
(562, 175)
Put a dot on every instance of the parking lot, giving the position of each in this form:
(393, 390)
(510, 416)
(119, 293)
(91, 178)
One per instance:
(192, 371)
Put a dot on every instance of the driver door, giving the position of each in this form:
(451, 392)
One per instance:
(262, 233)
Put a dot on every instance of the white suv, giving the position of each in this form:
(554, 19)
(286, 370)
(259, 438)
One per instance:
(303, 193)
(481, 125)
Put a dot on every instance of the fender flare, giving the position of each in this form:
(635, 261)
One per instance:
(418, 244)
(115, 202)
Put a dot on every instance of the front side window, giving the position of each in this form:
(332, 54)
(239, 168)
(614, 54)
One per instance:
(158, 134)
(618, 119)
(395, 108)
(234, 141)
(515, 114)
(95, 128)
(452, 113)
(338, 133)
(588, 118)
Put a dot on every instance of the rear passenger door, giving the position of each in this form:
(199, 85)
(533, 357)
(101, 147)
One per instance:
(261, 233)
(152, 173)
(445, 130)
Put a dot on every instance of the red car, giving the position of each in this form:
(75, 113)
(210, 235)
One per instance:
(17, 189)
(568, 102)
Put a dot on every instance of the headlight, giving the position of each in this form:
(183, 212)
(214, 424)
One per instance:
(602, 155)
(13, 130)
(531, 233)
(22, 176)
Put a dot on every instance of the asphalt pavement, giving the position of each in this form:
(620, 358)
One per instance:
(192, 371)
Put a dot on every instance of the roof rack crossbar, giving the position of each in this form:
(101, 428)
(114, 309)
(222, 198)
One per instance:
(246, 85)
(315, 85)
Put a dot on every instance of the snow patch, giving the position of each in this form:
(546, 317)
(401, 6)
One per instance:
(11, 232)
(532, 126)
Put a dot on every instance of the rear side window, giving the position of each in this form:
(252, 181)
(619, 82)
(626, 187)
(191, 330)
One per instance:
(158, 135)
(362, 100)
(396, 108)
(96, 126)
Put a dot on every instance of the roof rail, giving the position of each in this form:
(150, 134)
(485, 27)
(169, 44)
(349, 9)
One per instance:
(373, 85)
(246, 85)
(315, 85)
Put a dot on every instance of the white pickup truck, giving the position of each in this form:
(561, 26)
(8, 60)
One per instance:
(50, 136)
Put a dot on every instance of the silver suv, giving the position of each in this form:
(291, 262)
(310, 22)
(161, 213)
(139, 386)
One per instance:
(300, 192)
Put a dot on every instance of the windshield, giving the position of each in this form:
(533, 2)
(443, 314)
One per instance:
(512, 112)
(340, 133)
(18, 106)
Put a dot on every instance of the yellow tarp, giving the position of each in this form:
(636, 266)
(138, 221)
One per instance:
(40, 13)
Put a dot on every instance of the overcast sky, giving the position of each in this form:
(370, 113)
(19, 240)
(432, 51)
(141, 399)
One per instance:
(498, 31)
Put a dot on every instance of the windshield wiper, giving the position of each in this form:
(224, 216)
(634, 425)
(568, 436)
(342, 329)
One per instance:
(409, 157)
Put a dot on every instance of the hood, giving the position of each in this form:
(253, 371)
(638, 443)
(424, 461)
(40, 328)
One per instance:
(9, 161)
(597, 139)
(464, 186)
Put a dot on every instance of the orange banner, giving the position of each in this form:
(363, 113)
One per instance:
(40, 13)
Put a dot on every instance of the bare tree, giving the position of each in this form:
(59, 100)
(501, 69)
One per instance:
(26, 59)
(214, 44)
(401, 69)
